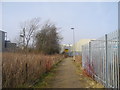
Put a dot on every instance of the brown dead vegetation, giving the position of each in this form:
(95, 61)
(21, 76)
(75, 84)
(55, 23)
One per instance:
(19, 69)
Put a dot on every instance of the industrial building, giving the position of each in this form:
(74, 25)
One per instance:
(77, 47)
(6, 45)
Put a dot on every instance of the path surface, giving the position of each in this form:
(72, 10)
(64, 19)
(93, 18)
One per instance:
(66, 75)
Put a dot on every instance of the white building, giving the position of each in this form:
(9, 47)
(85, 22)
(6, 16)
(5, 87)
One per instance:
(77, 47)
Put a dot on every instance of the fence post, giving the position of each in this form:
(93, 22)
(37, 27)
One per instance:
(89, 56)
(26, 69)
(106, 51)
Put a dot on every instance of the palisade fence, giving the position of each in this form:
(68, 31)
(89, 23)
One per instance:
(100, 60)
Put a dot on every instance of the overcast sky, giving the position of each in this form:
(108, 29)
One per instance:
(90, 19)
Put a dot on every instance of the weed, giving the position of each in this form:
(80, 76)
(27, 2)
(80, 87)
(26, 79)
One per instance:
(20, 70)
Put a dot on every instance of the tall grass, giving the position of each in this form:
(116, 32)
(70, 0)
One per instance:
(19, 69)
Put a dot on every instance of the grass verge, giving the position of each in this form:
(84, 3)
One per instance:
(88, 82)
(43, 82)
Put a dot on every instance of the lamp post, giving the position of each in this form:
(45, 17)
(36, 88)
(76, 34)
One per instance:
(74, 44)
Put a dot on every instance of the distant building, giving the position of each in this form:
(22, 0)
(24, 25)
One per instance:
(6, 45)
(65, 48)
(10, 46)
(77, 47)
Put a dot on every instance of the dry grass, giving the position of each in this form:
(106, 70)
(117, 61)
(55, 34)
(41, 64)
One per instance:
(88, 81)
(19, 69)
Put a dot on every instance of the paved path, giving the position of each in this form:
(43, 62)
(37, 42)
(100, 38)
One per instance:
(66, 75)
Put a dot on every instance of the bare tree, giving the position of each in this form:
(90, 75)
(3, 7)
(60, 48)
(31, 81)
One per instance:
(28, 29)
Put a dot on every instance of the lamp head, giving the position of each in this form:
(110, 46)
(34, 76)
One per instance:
(72, 28)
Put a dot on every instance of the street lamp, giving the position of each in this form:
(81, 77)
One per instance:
(74, 44)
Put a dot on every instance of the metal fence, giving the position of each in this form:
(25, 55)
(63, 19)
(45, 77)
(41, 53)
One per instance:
(100, 60)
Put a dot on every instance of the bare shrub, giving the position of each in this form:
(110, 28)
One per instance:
(48, 39)
(19, 69)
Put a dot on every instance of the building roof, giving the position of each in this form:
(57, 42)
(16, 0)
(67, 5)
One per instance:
(2, 31)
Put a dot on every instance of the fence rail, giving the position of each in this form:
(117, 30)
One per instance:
(100, 60)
